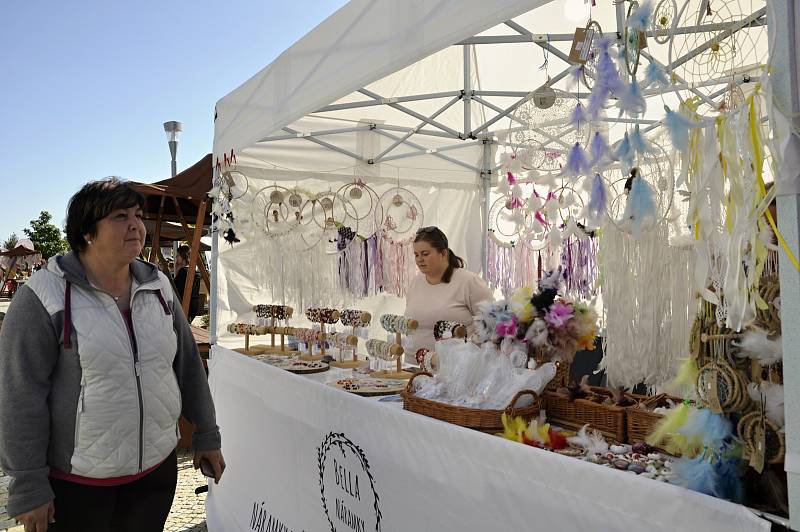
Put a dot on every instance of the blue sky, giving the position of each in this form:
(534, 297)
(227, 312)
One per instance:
(87, 84)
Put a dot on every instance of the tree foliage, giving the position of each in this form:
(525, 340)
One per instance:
(10, 242)
(46, 236)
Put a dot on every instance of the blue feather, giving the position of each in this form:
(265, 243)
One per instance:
(639, 144)
(640, 210)
(607, 75)
(624, 151)
(678, 127)
(577, 163)
(574, 76)
(696, 474)
(630, 100)
(598, 201)
(729, 482)
(639, 20)
(709, 428)
(578, 118)
(597, 101)
(655, 75)
(599, 149)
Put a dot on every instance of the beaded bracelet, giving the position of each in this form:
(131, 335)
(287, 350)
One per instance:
(352, 317)
(419, 356)
(322, 315)
(443, 327)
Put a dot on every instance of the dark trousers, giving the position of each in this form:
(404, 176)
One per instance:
(140, 506)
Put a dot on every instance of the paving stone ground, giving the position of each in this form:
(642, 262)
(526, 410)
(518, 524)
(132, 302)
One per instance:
(188, 513)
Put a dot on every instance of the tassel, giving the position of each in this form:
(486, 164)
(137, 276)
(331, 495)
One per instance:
(640, 19)
(674, 420)
(598, 201)
(577, 163)
(579, 117)
(756, 345)
(655, 75)
(599, 149)
(624, 151)
(640, 210)
(678, 127)
(630, 100)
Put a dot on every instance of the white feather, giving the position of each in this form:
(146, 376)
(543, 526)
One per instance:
(756, 345)
(592, 441)
(773, 400)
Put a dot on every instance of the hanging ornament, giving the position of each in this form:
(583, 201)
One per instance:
(276, 196)
(326, 203)
(397, 200)
(355, 193)
(295, 200)
(544, 97)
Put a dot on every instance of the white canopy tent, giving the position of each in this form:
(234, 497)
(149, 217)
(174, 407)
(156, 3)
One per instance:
(422, 93)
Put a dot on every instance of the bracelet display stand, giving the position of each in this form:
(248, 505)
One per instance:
(397, 325)
(247, 329)
(275, 313)
(322, 316)
(355, 319)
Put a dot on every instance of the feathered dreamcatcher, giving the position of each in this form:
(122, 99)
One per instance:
(228, 186)
(710, 63)
(664, 20)
(537, 134)
(589, 69)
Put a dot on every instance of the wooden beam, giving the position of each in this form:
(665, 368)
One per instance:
(198, 231)
(156, 241)
(163, 261)
(203, 271)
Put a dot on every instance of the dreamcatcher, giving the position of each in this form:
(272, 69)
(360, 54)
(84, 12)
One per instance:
(537, 130)
(710, 59)
(664, 20)
(588, 71)
(228, 186)
(364, 201)
(634, 39)
(398, 215)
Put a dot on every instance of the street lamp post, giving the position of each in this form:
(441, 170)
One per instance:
(173, 128)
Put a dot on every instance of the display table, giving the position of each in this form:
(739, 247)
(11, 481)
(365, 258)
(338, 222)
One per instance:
(302, 456)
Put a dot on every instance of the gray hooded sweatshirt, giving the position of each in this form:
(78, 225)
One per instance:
(86, 395)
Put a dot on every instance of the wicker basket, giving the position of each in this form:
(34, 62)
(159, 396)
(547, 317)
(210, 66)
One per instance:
(473, 418)
(642, 421)
(609, 420)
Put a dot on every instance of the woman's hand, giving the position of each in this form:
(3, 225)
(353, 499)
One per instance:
(214, 458)
(38, 519)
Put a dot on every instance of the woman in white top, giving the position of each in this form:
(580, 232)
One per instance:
(443, 290)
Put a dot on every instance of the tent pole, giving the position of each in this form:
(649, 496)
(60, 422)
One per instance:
(486, 188)
(467, 92)
(214, 266)
(783, 34)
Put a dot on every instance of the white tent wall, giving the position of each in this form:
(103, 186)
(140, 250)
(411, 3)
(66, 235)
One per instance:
(241, 268)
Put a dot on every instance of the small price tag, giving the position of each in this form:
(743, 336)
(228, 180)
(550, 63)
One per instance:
(712, 393)
(759, 452)
(581, 45)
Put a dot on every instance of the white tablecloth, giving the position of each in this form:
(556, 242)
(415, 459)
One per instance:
(303, 456)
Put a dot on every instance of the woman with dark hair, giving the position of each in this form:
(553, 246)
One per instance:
(181, 273)
(97, 363)
(443, 290)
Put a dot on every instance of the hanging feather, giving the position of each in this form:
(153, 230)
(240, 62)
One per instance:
(579, 118)
(640, 18)
(574, 76)
(592, 441)
(756, 344)
(706, 428)
(772, 395)
(624, 151)
(697, 474)
(630, 100)
(728, 483)
(597, 101)
(655, 75)
(516, 191)
(687, 375)
(503, 188)
(678, 127)
(640, 210)
(598, 201)
(577, 163)
(674, 420)
(639, 144)
(599, 149)
(607, 75)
